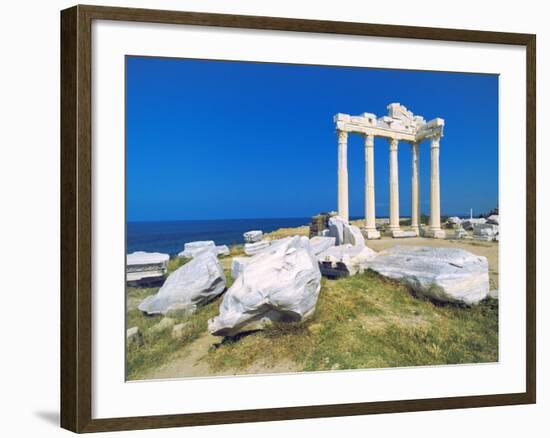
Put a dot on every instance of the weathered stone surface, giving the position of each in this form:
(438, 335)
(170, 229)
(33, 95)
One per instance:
(256, 248)
(191, 285)
(222, 250)
(460, 233)
(353, 236)
(493, 294)
(134, 336)
(404, 234)
(336, 229)
(140, 258)
(353, 259)
(237, 265)
(445, 274)
(488, 231)
(493, 219)
(179, 330)
(146, 265)
(344, 233)
(164, 324)
(320, 243)
(453, 222)
(468, 224)
(252, 236)
(281, 283)
(193, 248)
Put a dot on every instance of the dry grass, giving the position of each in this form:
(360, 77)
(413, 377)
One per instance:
(365, 321)
(287, 232)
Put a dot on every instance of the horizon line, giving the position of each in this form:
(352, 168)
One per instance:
(352, 217)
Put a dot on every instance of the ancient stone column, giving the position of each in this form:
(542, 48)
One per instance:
(394, 189)
(370, 214)
(343, 174)
(434, 230)
(415, 182)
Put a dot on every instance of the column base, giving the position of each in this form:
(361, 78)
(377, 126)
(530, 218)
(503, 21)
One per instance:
(399, 234)
(435, 233)
(393, 231)
(371, 234)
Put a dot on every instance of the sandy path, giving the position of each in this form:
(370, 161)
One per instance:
(190, 362)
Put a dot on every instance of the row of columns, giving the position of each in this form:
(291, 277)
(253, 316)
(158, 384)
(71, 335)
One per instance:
(434, 229)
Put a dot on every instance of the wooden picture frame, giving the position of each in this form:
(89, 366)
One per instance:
(76, 217)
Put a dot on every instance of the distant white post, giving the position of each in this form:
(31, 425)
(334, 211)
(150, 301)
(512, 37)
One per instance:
(370, 214)
(343, 174)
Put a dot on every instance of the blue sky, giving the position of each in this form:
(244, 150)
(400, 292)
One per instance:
(220, 140)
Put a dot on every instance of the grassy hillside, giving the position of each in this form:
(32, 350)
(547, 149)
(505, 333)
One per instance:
(365, 321)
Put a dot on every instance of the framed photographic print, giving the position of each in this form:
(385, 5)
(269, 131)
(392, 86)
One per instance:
(269, 218)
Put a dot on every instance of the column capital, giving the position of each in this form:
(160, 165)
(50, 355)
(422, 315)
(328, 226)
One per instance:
(369, 140)
(393, 143)
(342, 136)
(434, 141)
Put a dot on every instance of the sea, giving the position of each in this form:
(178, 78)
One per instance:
(169, 237)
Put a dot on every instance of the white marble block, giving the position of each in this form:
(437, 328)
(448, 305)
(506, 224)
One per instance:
(193, 284)
(253, 236)
(281, 284)
(445, 274)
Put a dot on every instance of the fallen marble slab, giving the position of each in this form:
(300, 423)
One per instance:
(253, 236)
(345, 260)
(353, 235)
(468, 224)
(237, 265)
(344, 233)
(460, 233)
(403, 234)
(193, 284)
(146, 265)
(222, 250)
(280, 284)
(445, 274)
(321, 243)
(256, 247)
(485, 229)
(336, 229)
(191, 249)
